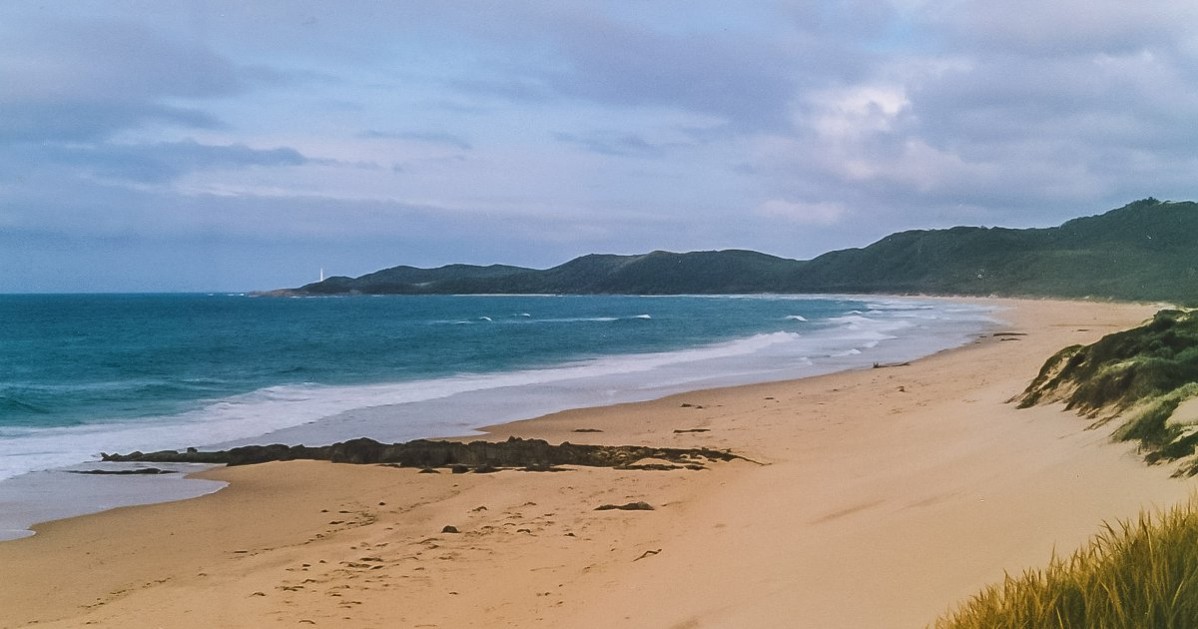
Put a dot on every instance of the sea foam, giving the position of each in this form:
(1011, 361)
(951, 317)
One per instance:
(458, 403)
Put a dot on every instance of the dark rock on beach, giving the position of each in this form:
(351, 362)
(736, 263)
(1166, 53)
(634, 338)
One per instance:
(422, 453)
(631, 506)
(141, 471)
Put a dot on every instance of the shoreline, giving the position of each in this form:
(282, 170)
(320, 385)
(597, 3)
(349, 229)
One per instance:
(888, 495)
(454, 404)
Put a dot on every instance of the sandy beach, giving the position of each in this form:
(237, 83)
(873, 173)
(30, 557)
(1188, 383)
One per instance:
(873, 498)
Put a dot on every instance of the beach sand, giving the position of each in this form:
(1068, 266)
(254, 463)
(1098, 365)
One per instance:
(879, 498)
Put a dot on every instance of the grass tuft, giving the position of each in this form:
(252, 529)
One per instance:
(1133, 574)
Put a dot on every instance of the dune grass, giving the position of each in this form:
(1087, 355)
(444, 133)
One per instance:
(1145, 373)
(1134, 574)
(1121, 369)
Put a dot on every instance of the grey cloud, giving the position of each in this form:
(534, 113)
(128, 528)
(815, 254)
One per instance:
(65, 121)
(511, 85)
(88, 211)
(575, 51)
(846, 18)
(108, 61)
(535, 52)
(614, 143)
(158, 162)
(747, 84)
(1039, 127)
(1025, 114)
(1011, 114)
(1037, 28)
(258, 74)
(445, 139)
(84, 80)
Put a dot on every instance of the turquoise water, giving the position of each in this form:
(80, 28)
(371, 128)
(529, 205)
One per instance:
(72, 360)
(85, 372)
(82, 374)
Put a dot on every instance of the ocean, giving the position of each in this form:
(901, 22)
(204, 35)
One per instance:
(84, 374)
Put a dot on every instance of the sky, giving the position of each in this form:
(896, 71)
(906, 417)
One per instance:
(232, 146)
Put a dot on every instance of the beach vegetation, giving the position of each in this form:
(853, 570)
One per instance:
(1131, 575)
(1140, 378)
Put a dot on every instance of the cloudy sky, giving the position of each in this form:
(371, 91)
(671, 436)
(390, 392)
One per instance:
(231, 145)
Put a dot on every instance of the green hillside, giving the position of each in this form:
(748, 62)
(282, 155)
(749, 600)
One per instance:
(1147, 250)
(401, 279)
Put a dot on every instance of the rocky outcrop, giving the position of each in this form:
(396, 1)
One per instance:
(534, 454)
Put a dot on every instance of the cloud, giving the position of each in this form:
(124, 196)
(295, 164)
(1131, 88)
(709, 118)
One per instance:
(85, 121)
(849, 113)
(810, 213)
(164, 161)
(1114, 101)
(742, 73)
(72, 80)
(83, 210)
(443, 139)
(55, 59)
(614, 144)
(620, 64)
(526, 129)
(1062, 27)
(1007, 115)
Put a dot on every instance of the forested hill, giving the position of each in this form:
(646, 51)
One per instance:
(1147, 250)
(657, 273)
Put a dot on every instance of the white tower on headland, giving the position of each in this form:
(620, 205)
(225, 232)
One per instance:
(322, 273)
